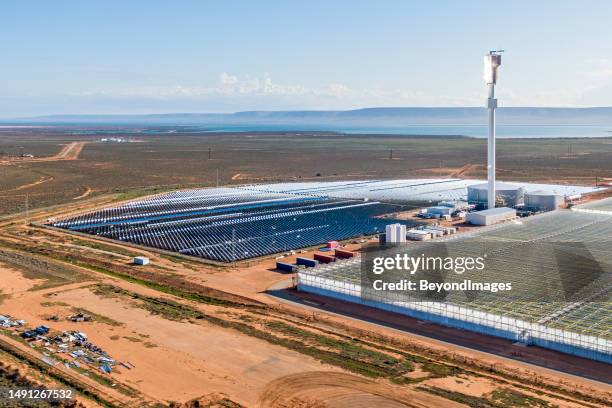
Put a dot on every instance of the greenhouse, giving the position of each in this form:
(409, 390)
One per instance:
(562, 260)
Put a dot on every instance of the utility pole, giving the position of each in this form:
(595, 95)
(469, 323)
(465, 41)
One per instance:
(27, 209)
(209, 153)
(391, 154)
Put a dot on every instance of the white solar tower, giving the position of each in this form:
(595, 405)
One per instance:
(492, 61)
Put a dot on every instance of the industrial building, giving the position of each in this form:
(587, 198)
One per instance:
(542, 201)
(491, 216)
(580, 325)
(439, 211)
(508, 195)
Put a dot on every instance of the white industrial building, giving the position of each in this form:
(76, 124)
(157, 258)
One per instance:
(491, 216)
(542, 201)
(395, 233)
(439, 210)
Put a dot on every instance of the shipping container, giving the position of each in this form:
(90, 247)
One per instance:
(324, 258)
(332, 244)
(306, 262)
(285, 267)
(341, 253)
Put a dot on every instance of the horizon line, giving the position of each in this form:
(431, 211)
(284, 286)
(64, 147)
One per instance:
(49, 115)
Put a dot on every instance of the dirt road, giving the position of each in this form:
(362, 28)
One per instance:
(341, 390)
(69, 152)
(464, 170)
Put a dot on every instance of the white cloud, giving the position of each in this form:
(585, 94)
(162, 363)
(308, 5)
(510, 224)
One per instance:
(227, 79)
(599, 68)
(227, 85)
(262, 92)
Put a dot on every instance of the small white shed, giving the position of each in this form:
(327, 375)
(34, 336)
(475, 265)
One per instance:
(141, 260)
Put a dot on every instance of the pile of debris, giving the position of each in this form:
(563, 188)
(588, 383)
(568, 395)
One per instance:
(80, 317)
(6, 322)
(77, 318)
(35, 333)
(73, 343)
(77, 346)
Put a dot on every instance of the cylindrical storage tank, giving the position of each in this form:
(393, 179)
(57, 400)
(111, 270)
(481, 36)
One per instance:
(510, 195)
(542, 201)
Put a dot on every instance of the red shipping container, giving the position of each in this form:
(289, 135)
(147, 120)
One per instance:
(324, 258)
(332, 244)
(341, 253)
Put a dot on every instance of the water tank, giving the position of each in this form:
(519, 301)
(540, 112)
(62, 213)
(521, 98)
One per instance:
(509, 195)
(542, 201)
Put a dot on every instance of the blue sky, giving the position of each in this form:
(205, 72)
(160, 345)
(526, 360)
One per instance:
(222, 56)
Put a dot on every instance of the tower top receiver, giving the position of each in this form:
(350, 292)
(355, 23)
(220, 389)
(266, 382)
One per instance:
(492, 61)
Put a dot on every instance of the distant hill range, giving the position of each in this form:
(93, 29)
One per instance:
(357, 117)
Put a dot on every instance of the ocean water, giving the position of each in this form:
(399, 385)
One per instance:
(477, 131)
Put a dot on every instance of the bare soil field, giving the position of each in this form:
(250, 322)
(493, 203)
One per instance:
(174, 361)
(321, 389)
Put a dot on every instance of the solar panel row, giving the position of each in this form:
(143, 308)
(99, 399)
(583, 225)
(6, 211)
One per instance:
(233, 224)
